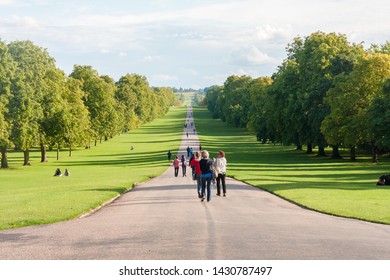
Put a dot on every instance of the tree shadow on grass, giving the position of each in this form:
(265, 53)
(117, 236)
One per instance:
(290, 185)
(145, 159)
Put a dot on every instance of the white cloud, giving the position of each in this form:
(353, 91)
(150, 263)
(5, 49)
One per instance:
(164, 77)
(22, 3)
(191, 72)
(251, 55)
(200, 42)
(22, 22)
(8, 2)
(151, 58)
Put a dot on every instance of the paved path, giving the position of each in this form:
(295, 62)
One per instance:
(164, 219)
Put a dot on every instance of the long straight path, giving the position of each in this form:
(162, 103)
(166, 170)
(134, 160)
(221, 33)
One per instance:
(164, 219)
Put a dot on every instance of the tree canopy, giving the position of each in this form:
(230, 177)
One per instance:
(40, 106)
(326, 92)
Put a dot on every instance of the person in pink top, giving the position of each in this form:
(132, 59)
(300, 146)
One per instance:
(176, 164)
(198, 173)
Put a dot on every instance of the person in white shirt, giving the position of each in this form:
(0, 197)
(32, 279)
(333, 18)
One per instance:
(220, 167)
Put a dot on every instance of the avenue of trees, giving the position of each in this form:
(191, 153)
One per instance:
(40, 106)
(327, 92)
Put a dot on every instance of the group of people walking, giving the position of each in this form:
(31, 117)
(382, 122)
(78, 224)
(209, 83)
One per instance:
(205, 171)
(208, 170)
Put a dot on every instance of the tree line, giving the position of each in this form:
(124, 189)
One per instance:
(40, 106)
(327, 92)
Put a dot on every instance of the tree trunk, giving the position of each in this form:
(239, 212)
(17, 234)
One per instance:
(43, 153)
(353, 153)
(70, 150)
(4, 159)
(309, 149)
(26, 154)
(374, 154)
(321, 151)
(58, 151)
(299, 147)
(335, 152)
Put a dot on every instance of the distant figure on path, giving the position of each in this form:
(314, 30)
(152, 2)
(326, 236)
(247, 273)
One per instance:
(206, 166)
(188, 151)
(169, 154)
(176, 164)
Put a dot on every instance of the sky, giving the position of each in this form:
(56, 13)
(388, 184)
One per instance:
(183, 43)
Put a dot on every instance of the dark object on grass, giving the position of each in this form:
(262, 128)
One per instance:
(384, 180)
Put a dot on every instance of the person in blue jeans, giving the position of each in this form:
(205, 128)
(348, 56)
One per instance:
(206, 165)
(195, 163)
(184, 165)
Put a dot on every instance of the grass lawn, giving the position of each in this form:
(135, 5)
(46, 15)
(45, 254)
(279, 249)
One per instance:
(337, 187)
(32, 195)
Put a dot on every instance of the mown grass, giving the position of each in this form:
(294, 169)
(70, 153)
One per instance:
(337, 187)
(32, 195)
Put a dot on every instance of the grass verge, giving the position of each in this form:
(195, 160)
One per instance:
(337, 187)
(32, 195)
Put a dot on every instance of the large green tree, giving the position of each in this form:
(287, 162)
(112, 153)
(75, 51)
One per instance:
(165, 98)
(100, 100)
(286, 120)
(28, 90)
(353, 103)
(258, 105)
(213, 100)
(237, 100)
(66, 118)
(145, 100)
(378, 115)
(314, 56)
(126, 96)
(7, 67)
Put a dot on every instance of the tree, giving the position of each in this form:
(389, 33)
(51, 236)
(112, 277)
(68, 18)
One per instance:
(350, 101)
(165, 98)
(145, 101)
(314, 58)
(378, 115)
(53, 108)
(213, 97)
(100, 100)
(258, 118)
(237, 102)
(76, 122)
(127, 100)
(27, 91)
(287, 121)
(7, 68)
(66, 119)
